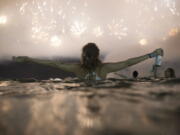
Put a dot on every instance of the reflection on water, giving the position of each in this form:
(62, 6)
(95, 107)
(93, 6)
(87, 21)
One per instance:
(46, 108)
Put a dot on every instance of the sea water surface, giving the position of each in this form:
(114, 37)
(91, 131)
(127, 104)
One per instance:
(71, 107)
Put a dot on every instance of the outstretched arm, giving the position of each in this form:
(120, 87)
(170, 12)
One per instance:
(113, 67)
(63, 66)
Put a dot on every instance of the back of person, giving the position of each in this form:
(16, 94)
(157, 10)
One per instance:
(91, 68)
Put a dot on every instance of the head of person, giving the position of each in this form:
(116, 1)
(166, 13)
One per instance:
(90, 56)
(169, 73)
(135, 74)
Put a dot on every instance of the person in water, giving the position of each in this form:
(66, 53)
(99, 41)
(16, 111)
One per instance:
(169, 73)
(91, 67)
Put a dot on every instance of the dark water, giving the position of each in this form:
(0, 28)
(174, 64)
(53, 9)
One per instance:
(116, 107)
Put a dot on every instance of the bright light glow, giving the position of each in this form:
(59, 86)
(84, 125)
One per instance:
(173, 32)
(3, 19)
(143, 42)
(55, 41)
(78, 28)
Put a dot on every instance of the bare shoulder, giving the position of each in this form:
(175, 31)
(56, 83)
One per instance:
(70, 67)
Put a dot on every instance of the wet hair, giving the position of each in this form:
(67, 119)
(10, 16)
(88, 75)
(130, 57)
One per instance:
(90, 56)
(169, 73)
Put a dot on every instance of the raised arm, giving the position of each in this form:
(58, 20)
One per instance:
(63, 66)
(113, 67)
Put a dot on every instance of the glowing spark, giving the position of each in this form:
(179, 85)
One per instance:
(158, 4)
(173, 32)
(36, 29)
(55, 41)
(64, 17)
(44, 3)
(74, 8)
(98, 31)
(85, 4)
(155, 8)
(3, 19)
(60, 12)
(68, 2)
(38, 33)
(22, 8)
(40, 36)
(117, 29)
(63, 31)
(164, 38)
(143, 42)
(78, 28)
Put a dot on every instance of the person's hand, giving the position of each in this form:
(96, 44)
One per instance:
(156, 53)
(159, 52)
(21, 59)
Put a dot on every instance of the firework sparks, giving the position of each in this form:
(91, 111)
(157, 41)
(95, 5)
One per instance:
(117, 29)
(78, 28)
(169, 4)
(132, 19)
(98, 31)
(47, 10)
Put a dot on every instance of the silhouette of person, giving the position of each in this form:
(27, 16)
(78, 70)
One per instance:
(91, 67)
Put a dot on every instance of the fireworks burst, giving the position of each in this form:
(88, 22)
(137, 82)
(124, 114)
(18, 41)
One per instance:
(97, 31)
(157, 5)
(117, 29)
(78, 28)
(78, 17)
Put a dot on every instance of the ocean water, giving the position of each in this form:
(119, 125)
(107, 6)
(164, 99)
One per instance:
(71, 107)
